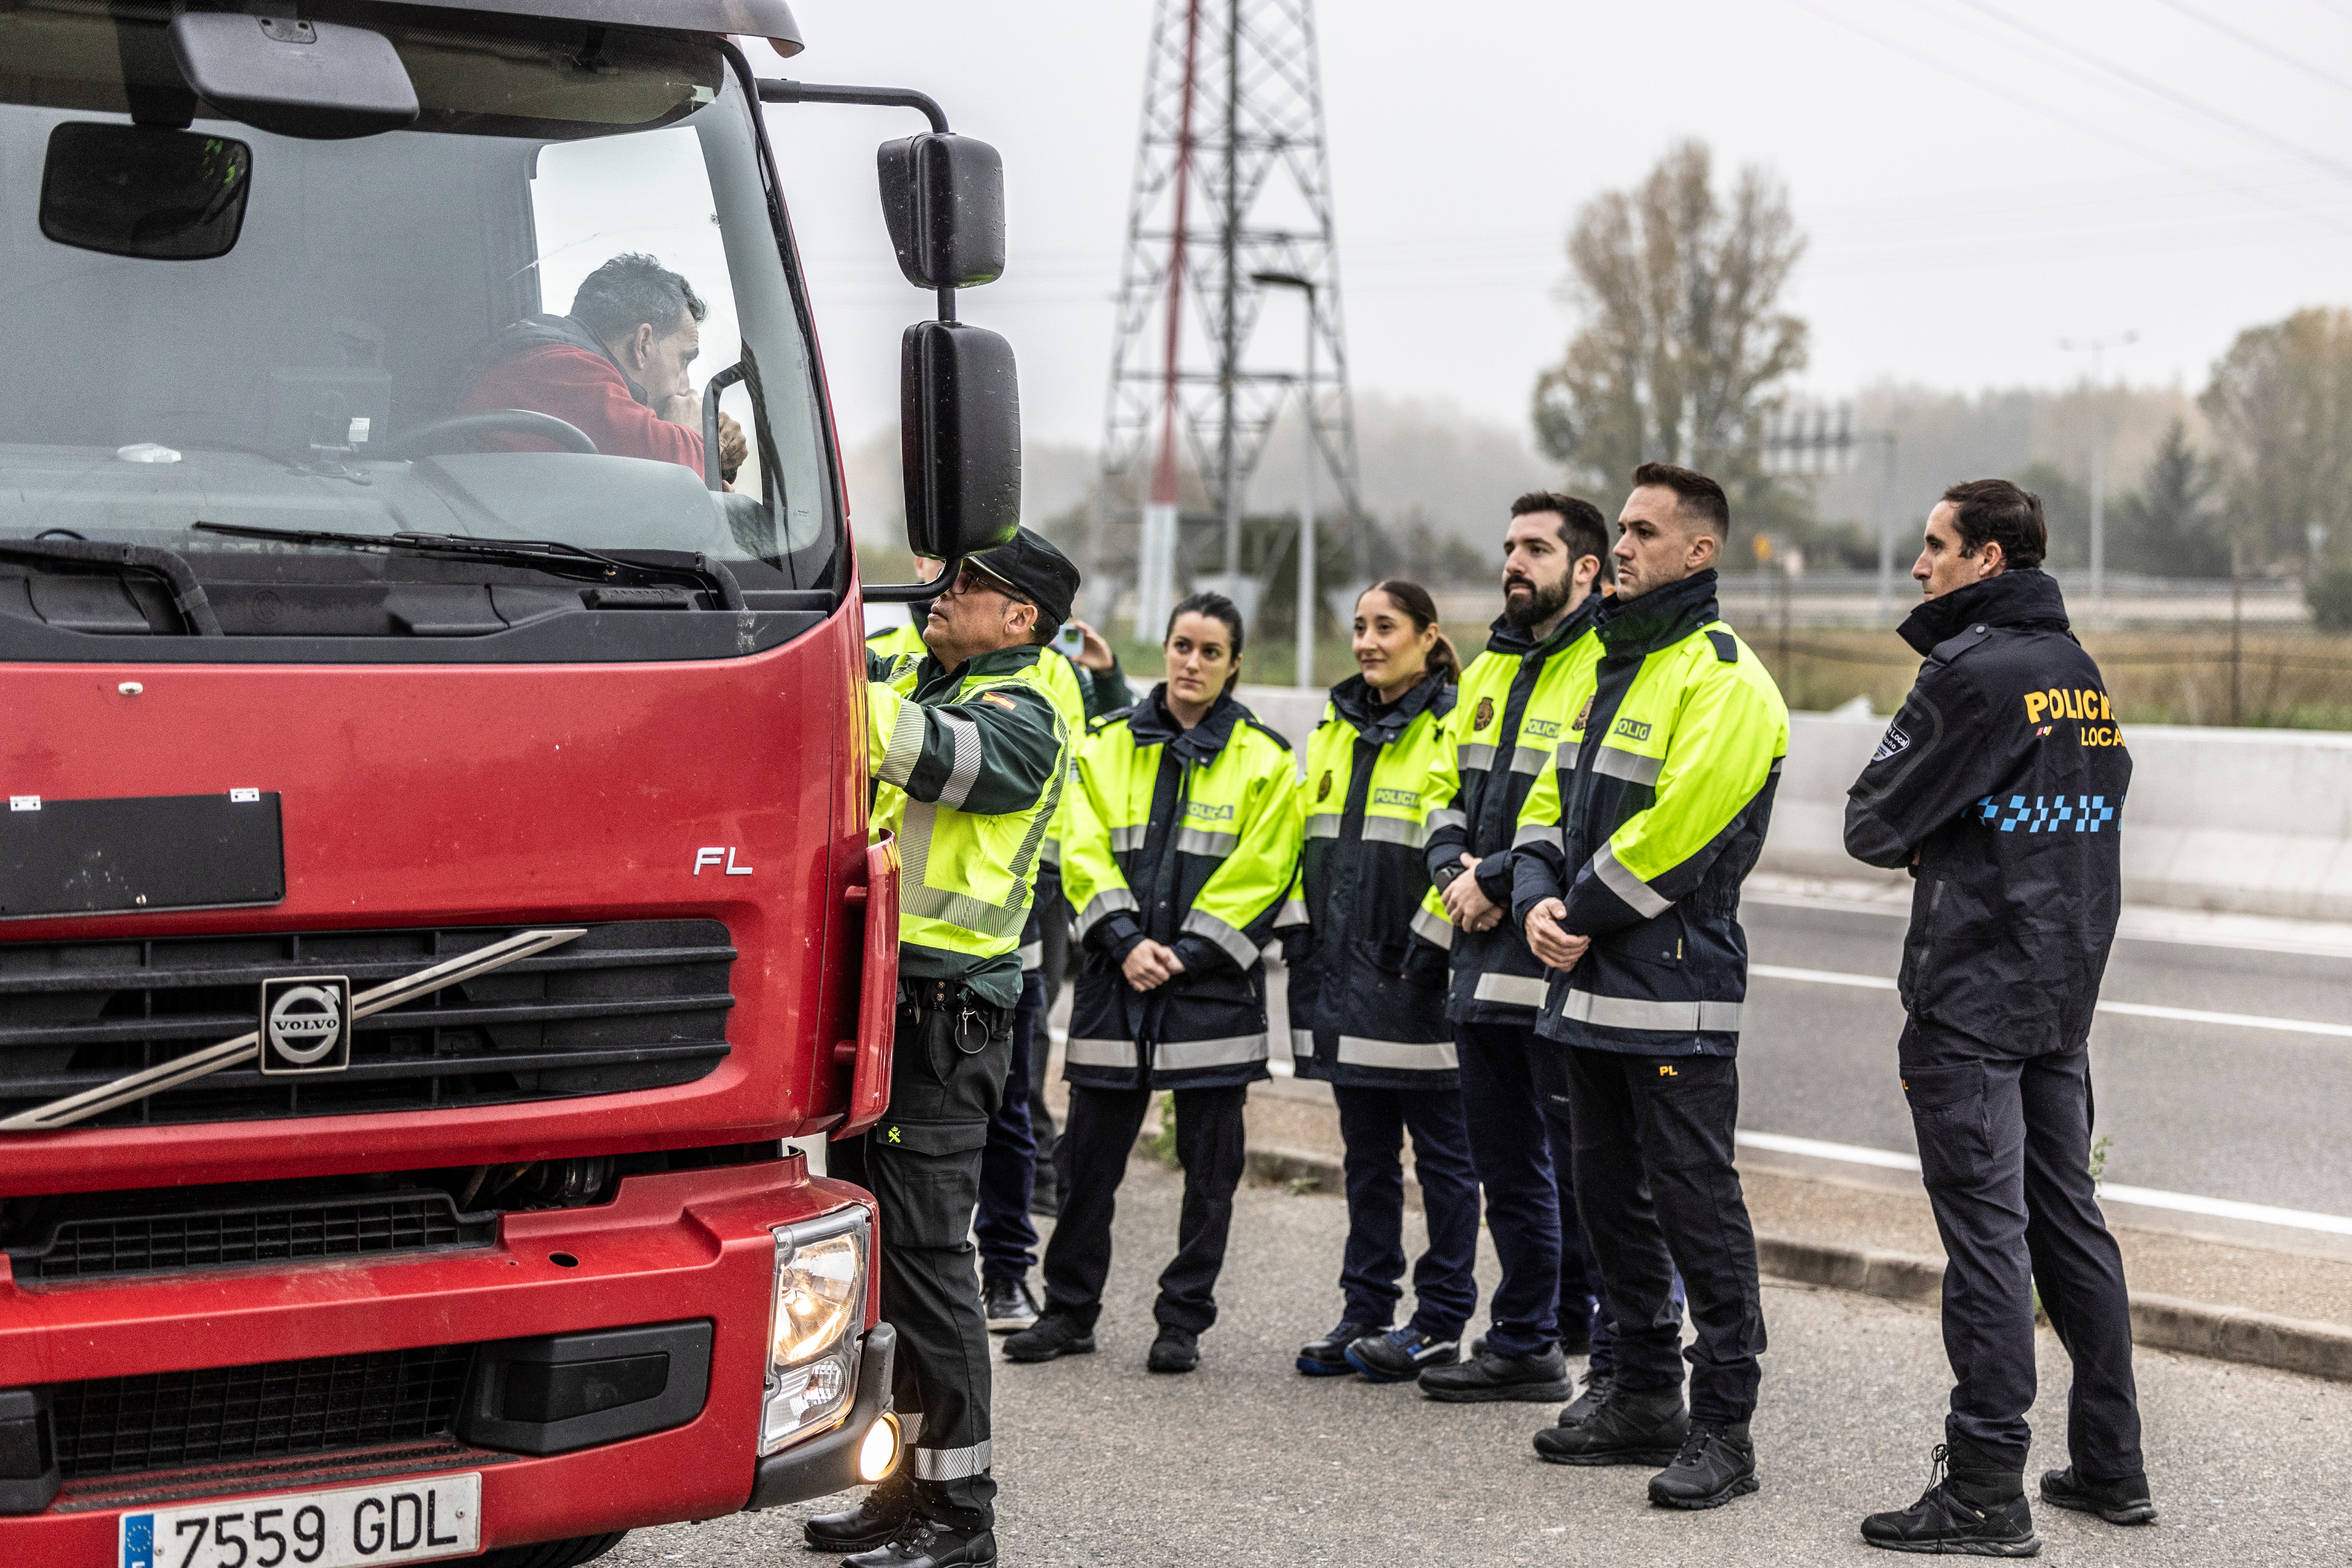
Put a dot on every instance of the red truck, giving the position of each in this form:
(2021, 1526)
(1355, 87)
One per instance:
(435, 883)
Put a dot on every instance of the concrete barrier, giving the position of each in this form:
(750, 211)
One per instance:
(2238, 821)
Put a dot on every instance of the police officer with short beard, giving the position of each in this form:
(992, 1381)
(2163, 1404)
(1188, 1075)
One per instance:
(2001, 785)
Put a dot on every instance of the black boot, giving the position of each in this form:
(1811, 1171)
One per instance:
(878, 1517)
(928, 1544)
(2125, 1501)
(1009, 1306)
(1636, 1426)
(1587, 1405)
(1176, 1350)
(1488, 1378)
(1327, 1357)
(1978, 1512)
(1717, 1463)
(1051, 1337)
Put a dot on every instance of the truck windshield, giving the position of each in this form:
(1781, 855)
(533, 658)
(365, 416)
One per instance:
(501, 322)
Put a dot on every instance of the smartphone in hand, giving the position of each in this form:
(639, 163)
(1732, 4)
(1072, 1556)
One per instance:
(1069, 641)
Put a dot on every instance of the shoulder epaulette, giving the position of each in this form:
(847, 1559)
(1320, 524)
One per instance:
(1727, 646)
(1276, 736)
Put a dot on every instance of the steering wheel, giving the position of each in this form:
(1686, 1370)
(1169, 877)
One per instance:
(441, 435)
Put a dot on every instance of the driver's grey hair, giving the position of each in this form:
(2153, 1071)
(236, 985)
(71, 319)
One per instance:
(634, 291)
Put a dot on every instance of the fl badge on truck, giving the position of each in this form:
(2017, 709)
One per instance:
(305, 1026)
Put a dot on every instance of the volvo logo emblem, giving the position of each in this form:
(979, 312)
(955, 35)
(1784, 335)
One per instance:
(305, 1025)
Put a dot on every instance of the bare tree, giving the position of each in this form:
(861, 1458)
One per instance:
(1685, 346)
(2281, 401)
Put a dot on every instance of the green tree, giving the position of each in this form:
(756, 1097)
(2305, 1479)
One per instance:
(2169, 528)
(2065, 509)
(2281, 401)
(1685, 346)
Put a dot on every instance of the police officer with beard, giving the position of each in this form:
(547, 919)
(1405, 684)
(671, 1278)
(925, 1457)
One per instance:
(2001, 785)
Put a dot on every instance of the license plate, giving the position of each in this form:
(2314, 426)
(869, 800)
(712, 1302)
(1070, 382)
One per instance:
(397, 1521)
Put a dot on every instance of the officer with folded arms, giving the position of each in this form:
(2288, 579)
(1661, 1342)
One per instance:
(2001, 785)
(1659, 805)
(971, 758)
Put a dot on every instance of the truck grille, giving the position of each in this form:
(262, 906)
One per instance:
(101, 1245)
(117, 1425)
(632, 1004)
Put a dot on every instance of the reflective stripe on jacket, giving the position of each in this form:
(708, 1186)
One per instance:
(1367, 1001)
(1188, 837)
(1667, 774)
(1507, 720)
(970, 762)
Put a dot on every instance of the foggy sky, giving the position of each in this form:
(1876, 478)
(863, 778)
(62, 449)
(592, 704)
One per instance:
(1960, 229)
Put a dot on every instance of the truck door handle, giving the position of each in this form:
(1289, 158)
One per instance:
(868, 1055)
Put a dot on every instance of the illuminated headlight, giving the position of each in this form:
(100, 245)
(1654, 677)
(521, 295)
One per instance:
(812, 1328)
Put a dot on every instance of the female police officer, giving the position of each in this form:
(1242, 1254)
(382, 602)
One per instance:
(1177, 852)
(1368, 1002)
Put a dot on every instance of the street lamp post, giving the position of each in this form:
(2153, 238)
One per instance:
(2098, 351)
(1303, 676)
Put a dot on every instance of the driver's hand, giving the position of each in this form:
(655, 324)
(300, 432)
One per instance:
(681, 408)
(732, 447)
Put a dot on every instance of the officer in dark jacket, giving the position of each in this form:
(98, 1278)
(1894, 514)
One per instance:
(2001, 785)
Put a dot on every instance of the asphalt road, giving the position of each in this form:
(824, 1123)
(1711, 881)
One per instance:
(2216, 1110)
(1245, 1463)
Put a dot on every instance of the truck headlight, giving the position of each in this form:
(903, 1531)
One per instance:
(820, 1303)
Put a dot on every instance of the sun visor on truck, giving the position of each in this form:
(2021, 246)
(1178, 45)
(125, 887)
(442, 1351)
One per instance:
(320, 80)
(140, 854)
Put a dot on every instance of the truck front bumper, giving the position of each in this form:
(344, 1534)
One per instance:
(687, 1245)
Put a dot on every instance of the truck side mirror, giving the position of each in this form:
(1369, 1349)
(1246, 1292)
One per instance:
(943, 197)
(959, 438)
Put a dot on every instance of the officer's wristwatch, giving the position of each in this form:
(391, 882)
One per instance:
(1446, 875)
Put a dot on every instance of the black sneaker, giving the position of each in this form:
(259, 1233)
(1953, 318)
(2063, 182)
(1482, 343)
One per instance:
(1597, 1387)
(1715, 1464)
(1009, 1305)
(2125, 1501)
(1631, 1426)
(928, 1543)
(1945, 1524)
(1327, 1357)
(1489, 1378)
(1050, 1338)
(878, 1517)
(1176, 1350)
(1401, 1354)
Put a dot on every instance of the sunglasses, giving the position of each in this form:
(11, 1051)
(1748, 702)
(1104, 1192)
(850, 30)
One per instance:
(972, 577)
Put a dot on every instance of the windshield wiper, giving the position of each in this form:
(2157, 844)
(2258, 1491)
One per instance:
(635, 569)
(188, 593)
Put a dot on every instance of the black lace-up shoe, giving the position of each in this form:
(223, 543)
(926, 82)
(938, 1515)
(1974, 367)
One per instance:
(1050, 1338)
(1401, 1354)
(927, 1543)
(1587, 1405)
(878, 1517)
(2125, 1501)
(1176, 1350)
(1490, 1378)
(1009, 1305)
(1715, 1464)
(1327, 1357)
(1958, 1518)
(1633, 1427)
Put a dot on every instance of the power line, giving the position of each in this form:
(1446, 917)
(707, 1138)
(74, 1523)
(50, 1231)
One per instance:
(2156, 89)
(2259, 47)
(1983, 84)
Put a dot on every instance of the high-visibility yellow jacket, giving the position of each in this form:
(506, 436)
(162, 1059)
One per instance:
(1367, 1002)
(972, 762)
(1512, 708)
(1188, 837)
(1650, 819)
(1077, 693)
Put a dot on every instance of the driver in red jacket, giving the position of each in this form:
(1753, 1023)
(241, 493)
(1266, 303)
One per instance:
(617, 368)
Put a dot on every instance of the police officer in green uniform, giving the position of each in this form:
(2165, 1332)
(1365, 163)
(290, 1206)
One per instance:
(971, 759)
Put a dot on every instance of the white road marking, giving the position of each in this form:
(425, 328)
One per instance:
(2145, 1197)
(2125, 1009)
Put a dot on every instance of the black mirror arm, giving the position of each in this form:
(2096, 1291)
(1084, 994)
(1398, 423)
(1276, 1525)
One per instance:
(911, 593)
(778, 90)
(712, 462)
